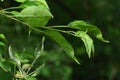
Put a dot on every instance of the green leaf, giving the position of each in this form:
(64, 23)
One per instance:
(91, 29)
(28, 3)
(44, 2)
(87, 41)
(2, 44)
(21, 57)
(14, 12)
(26, 56)
(5, 66)
(31, 78)
(35, 16)
(2, 37)
(66, 46)
(20, 0)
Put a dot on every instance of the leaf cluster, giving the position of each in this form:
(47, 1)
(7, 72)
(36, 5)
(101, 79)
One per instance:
(35, 14)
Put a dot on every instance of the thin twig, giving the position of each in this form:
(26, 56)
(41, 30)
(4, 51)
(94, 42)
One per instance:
(21, 22)
(38, 30)
(67, 32)
(59, 26)
(12, 8)
(38, 53)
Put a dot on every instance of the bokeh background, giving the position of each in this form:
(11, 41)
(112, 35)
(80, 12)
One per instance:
(104, 65)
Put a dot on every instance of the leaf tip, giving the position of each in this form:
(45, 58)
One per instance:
(76, 60)
(106, 41)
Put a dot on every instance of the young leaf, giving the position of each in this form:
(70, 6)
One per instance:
(18, 62)
(87, 41)
(91, 29)
(19, 75)
(66, 46)
(26, 66)
(39, 49)
(2, 37)
(35, 16)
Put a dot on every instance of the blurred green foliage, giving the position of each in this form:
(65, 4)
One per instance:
(105, 63)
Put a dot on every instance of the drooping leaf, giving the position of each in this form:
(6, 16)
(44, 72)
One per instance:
(88, 42)
(35, 16)
(66, 46)
(91, 29)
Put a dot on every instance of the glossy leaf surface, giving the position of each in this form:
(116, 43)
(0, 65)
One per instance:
(35, 16)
